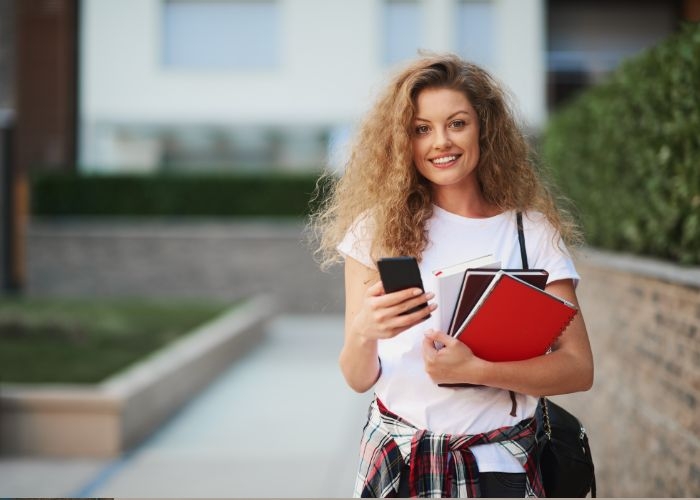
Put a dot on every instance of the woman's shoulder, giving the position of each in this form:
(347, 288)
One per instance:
(542, 237)
(357, 242)
(363, 225)
(537, 222)
(534, 217)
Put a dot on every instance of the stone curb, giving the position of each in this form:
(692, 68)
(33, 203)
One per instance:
(644, 266)
(106, 419)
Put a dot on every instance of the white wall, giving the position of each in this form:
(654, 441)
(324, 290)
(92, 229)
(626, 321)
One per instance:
(327, 60)
(521, 55)
(330, 66)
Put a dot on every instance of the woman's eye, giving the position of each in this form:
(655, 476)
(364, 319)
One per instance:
(422, 129)
(457, 124)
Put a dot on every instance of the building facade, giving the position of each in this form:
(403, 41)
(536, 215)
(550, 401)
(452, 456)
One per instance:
(281, 84)
(260, 84)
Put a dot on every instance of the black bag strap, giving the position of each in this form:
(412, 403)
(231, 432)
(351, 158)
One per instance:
(523, 256)
(521, 240)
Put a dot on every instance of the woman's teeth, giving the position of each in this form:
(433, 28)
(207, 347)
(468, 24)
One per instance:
(443, 160)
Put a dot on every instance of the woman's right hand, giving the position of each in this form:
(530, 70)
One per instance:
(371, 315)
(384, 315)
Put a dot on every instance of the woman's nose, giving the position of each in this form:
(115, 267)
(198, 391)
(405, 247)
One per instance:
(442, 141)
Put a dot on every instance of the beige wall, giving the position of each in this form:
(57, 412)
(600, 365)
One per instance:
(642, 413)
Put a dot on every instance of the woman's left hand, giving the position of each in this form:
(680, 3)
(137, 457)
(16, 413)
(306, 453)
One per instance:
(453, 363)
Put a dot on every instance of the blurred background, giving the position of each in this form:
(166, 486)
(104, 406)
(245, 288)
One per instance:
(163, 153)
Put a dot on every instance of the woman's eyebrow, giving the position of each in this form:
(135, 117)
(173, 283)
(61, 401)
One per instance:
(458, 112)
(418, 118)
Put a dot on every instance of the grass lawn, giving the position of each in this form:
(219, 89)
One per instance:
(84, 341)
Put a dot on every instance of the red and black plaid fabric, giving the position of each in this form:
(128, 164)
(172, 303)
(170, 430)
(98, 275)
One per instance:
(441, 465)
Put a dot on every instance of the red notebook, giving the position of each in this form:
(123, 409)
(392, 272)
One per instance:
(514, 320)
(476, 281)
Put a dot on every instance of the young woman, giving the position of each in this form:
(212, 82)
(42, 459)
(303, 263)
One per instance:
(438, 171)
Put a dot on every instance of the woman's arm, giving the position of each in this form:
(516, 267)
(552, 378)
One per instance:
(568, 368)
(370, 315)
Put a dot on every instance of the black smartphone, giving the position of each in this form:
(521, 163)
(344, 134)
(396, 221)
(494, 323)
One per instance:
(400, 273)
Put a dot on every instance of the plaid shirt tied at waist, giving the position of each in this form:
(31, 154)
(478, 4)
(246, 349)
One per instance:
(441, 465)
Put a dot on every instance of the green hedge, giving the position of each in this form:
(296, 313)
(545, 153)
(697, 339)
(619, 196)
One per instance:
(627, 153)
(173, 195)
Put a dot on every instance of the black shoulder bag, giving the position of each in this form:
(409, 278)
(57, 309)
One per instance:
(563, 453)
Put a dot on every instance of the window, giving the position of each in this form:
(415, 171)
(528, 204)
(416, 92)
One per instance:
(587, 40)
(402, 30)
(475, 32)
(221, 34)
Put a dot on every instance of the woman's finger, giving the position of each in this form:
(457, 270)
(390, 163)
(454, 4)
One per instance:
(392, 299)
(376, 289)
(405, 306)
(405, 321)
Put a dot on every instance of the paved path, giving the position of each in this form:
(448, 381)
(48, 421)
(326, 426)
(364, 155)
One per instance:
(279, 423)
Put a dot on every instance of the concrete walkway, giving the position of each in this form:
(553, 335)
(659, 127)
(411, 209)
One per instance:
(279, 423)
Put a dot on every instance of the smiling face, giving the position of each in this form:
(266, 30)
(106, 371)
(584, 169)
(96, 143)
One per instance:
(446, 139)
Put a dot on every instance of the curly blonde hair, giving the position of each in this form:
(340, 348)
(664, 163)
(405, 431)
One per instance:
(381, 181)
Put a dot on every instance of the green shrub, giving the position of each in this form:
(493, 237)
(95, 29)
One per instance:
(627, 152)
(47, 340)
(173, 195)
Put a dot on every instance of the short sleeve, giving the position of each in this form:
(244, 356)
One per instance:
(357, 242)
(547, 249)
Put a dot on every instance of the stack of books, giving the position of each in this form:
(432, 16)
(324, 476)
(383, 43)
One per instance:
(501, 314)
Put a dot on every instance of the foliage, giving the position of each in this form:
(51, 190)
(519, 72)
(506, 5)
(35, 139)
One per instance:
(627, 152)
(173, 195)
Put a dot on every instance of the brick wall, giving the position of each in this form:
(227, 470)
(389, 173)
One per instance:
(642, 413)
(197, 258)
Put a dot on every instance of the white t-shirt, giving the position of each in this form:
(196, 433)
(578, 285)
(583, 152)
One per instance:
(404, 386)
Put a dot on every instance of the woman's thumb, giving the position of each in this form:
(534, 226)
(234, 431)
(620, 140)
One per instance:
(440, 339)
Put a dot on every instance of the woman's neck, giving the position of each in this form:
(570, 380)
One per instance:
(465, 202)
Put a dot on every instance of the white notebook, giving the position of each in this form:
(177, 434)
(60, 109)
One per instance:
(449, 281)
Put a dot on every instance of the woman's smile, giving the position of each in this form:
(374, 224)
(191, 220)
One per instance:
(445, 161)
